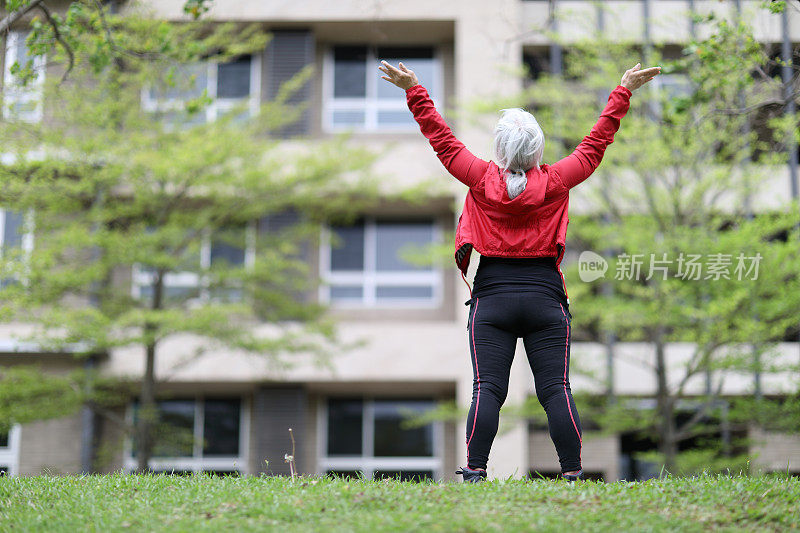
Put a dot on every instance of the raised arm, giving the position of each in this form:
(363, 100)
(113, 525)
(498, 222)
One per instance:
(580, 164)
(455, 157)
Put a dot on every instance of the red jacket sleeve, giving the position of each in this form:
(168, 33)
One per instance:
(580, 164)
(455, 157)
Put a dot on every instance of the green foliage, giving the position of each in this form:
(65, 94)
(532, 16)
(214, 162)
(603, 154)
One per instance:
(51, 32)
(28, 393)
(707, 459)
(714, 313)
(774, 6)
(780, 414)
(444, 410)
(32, 392)
(151, 190)
(112, 189)
(196, 8)
(680, 179)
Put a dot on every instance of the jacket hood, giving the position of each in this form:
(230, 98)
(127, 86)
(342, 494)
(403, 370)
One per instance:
(496, 191)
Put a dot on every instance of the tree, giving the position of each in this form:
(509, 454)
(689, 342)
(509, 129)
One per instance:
(57, 32)
(691, 175)
(680, 180)
(117, 193)
(27, 395)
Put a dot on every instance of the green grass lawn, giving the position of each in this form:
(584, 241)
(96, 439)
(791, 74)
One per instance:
(172, 503)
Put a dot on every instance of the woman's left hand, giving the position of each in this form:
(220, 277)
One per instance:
(402, 77)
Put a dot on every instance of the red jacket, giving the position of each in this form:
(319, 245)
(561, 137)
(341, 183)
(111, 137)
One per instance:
(534, 224)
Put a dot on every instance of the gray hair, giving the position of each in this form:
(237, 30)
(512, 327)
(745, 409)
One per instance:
(518, 147)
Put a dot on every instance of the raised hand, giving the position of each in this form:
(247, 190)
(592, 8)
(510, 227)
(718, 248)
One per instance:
(402, 77)
(635, 78)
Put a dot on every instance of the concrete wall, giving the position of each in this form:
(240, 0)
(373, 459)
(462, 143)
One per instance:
(600, 453)
(624, 19)
(51, 447)
(776, 452)
(452, 443)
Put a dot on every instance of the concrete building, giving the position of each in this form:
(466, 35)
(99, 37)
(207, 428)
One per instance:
(347, 419)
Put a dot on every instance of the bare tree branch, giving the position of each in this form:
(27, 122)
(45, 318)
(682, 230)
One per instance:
(684, 430)
(700, 356)
(14, 16)
(104, 22)
(110, 415)
(60, 39)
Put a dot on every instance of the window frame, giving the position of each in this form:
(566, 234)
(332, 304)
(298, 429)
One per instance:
(9, 455)
(27, 236)
(198, 462)
(371, 103)
(672, 85)
(367, 462)
(26, 240)
(34, 91)
(218, 105)
(675, 83)
(141, 277)
(369, 278)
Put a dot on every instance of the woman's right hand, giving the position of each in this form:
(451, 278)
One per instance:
(635, 78)
(403, 77)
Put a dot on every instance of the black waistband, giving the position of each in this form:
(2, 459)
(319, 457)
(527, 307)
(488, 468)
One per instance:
(518, 262)
(512, 274)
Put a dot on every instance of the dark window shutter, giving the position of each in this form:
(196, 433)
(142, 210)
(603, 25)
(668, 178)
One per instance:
(287, 53)
(275, 410)
(279, 225)
(280, 221)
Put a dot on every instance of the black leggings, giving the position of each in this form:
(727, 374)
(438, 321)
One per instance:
(496, 321)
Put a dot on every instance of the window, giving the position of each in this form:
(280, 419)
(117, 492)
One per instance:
(197, 435)
(543, 60)
(367, 264)
(15, 236)
(536, 61)
(9, 451)
(227, 84)
(717, 436)
(634, 467)
(674, 85)
(228, 247)
(22, 102)
(357, 98)
(11, 229)
(773, 66)
(367, 437)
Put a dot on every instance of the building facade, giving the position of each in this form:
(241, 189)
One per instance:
(233, 411)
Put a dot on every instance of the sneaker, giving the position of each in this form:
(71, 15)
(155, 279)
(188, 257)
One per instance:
(472, 475)
(572, 478)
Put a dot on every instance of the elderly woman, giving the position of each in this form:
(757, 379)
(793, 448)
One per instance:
(515, 216)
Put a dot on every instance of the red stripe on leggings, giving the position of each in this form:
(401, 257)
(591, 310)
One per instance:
(566, 396)
(477, 374)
